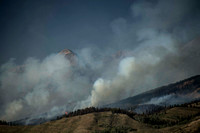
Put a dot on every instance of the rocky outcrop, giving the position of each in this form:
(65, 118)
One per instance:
(70, 55)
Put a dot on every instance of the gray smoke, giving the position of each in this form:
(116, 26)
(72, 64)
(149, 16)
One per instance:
(40, 86)
(154, 51)
(170, 100)
(162, 55)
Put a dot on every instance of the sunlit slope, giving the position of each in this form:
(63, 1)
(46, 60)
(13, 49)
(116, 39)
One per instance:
(94, 122)
(187, 120)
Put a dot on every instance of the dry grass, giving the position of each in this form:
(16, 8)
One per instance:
(94, 122)
(108, 122)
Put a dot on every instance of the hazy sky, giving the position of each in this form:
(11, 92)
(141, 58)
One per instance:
(36, 28)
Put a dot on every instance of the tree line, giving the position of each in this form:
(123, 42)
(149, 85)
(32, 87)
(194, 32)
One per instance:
(95, 110)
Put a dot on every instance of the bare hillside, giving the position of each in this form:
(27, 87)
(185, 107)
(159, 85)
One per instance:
(177, 119)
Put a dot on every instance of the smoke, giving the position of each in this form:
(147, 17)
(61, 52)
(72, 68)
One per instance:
(152, 46)
(103, 89)
(159, 52)
(172, 99)
(39, 86)
(13, 108)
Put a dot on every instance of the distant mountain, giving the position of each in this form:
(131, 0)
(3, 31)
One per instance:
(70, 55)
(177, 93)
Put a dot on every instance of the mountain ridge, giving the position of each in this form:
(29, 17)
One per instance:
(177, 88)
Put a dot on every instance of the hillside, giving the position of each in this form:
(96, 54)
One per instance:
(180, 119)
(85, 123)
(176, 93)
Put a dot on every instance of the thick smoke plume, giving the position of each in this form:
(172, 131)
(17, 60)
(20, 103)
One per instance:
(36, 87)
(155, 49)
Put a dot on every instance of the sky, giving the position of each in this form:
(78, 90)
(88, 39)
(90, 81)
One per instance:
(123, 48)
(37, 28)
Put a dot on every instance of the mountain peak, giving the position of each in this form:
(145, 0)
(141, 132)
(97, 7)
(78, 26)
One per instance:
(66, 52)
(70, 55)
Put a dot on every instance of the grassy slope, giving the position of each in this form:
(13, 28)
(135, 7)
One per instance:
(190, 119)
(108, 122)
(94, 122)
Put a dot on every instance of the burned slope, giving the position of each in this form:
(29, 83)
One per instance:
(180, 92)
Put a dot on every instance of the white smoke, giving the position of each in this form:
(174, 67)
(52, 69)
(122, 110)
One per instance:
(171, 99)
(40, 86)
(13, 108)
(111, 90)
(158, 58)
